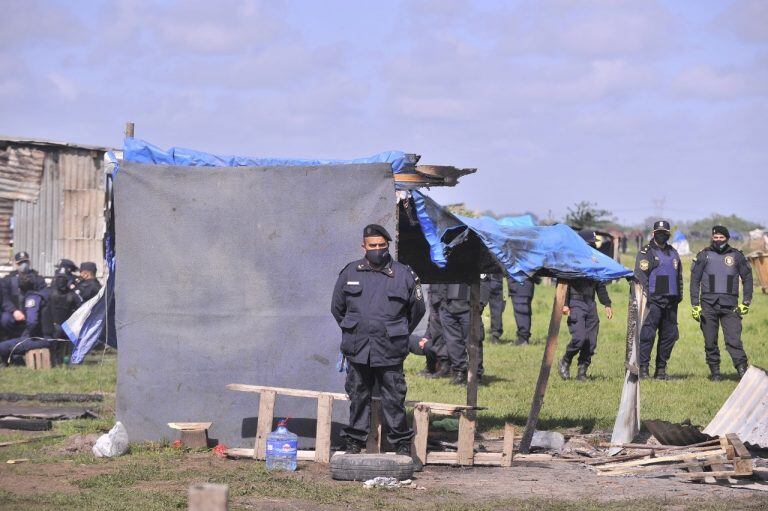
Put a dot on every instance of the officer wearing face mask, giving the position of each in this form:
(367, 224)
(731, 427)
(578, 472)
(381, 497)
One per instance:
(13, 317)
(377, 303)
(659, 270)
(62, 303)
(715, 299)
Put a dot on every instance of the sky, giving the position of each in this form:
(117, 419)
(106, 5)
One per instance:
(644, 107)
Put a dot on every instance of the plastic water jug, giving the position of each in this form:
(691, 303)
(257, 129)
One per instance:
(281, 448)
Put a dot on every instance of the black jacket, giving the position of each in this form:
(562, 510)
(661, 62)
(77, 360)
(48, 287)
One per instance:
(377, 310)
(745, 273)
(585, 289)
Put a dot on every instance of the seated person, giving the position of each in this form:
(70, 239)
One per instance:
(36, 303)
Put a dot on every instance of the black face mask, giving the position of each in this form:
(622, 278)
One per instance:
(661, 238)
(719, 245)
(61, 284)
(377, 257)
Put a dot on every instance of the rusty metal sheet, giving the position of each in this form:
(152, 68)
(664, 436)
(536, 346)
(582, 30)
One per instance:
(21, 170)
(745, 412)
(669, 433)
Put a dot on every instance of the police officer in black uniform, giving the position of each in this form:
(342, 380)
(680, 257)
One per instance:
(455, 318)
(492, 294)
(715, 278)
(432, 345)
(583, 320)
(659, 270)
(87, 286)
(12, 318)
(69, 268)
(35, 304)
(521, 294)
(377, 302)
(62, 303)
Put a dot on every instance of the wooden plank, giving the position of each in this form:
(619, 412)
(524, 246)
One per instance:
(534, 457)
(661, 459)
(509, 445)
(264, 426)
(656, 468)
(546, 366)
(657, 447)
(742, 462)
(421, 430)
(239, 452)
(466, 450)
(323, 431)
(442, 458)
(373, 444)
(473, 346)
(286, 392)
(703, 475)
(190, 425)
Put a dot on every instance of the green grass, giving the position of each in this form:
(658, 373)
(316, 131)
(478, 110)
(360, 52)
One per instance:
(512, 370)
(153, 476)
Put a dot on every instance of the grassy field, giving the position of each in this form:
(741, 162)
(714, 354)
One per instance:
(155, 476)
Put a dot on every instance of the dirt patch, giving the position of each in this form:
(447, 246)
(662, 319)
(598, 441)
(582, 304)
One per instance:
(33, 478)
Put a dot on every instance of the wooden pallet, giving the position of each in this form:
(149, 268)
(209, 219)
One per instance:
(465, 454)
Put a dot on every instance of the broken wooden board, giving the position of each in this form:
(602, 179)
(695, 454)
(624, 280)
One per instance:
(190, 425)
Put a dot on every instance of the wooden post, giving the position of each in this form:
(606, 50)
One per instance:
(323, 431)
(264, 426)
(421, 433)
(129, 130)
(208, 497)
(509, 445)
(546, 365)
(373, 445)
(473, 349)
(465, 454)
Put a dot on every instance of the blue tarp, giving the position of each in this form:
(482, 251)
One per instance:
(517, 221)
(678, 236)
(521, 251)
(139, 151)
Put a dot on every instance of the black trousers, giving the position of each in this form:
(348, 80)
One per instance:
(664, 320)
(390, 381)
(584, 324)
(493, 295)
(523, 312)
(456, 335)
(712, 316)
(435, 350)
(18, 347)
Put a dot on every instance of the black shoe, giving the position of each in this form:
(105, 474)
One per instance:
(403, 449)
(459, 378)
(495, 339)
(443, 371)
(564, 368)
(741, 369)
(714, 371)
(582, 374)
(521, 342)
(644, 374)
(353, 446)
(661, 374)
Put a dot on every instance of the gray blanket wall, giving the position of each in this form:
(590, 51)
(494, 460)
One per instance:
(224, 275)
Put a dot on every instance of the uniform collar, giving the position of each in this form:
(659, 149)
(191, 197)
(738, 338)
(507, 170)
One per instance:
(365, 265)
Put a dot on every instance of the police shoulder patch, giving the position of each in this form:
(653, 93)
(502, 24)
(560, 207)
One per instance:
(30, 302)
(644, 264)
(419, 295)
(729, 260)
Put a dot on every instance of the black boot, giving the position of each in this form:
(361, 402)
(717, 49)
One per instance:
(403, 448)
(353, 446)
(644, 374)
(582, 374)
(661, 374)
(564, 368)
(443, 370)
(714, 372)
(459, 378)
(741, 369)
(521, 342)
(495, 339)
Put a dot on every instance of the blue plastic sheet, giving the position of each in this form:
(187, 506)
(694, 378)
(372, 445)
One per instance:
(521, 251)
(139, 151)
(517, 221)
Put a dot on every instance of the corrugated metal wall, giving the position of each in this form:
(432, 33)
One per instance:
(67, 221)
(6, 235)
(36, 224)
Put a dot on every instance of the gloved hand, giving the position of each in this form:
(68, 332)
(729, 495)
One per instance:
(743, 309)
(696, 312)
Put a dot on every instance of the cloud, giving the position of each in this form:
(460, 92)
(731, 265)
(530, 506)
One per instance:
(723, 83)
(747, 20)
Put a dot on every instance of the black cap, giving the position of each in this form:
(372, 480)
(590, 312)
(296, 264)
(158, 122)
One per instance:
(67, 265)
(719, 229)
(21, 257)
(376, 230)
(88, 266)
(588, 236)
(661, 225)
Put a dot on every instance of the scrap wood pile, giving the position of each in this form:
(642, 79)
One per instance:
(721, 460)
